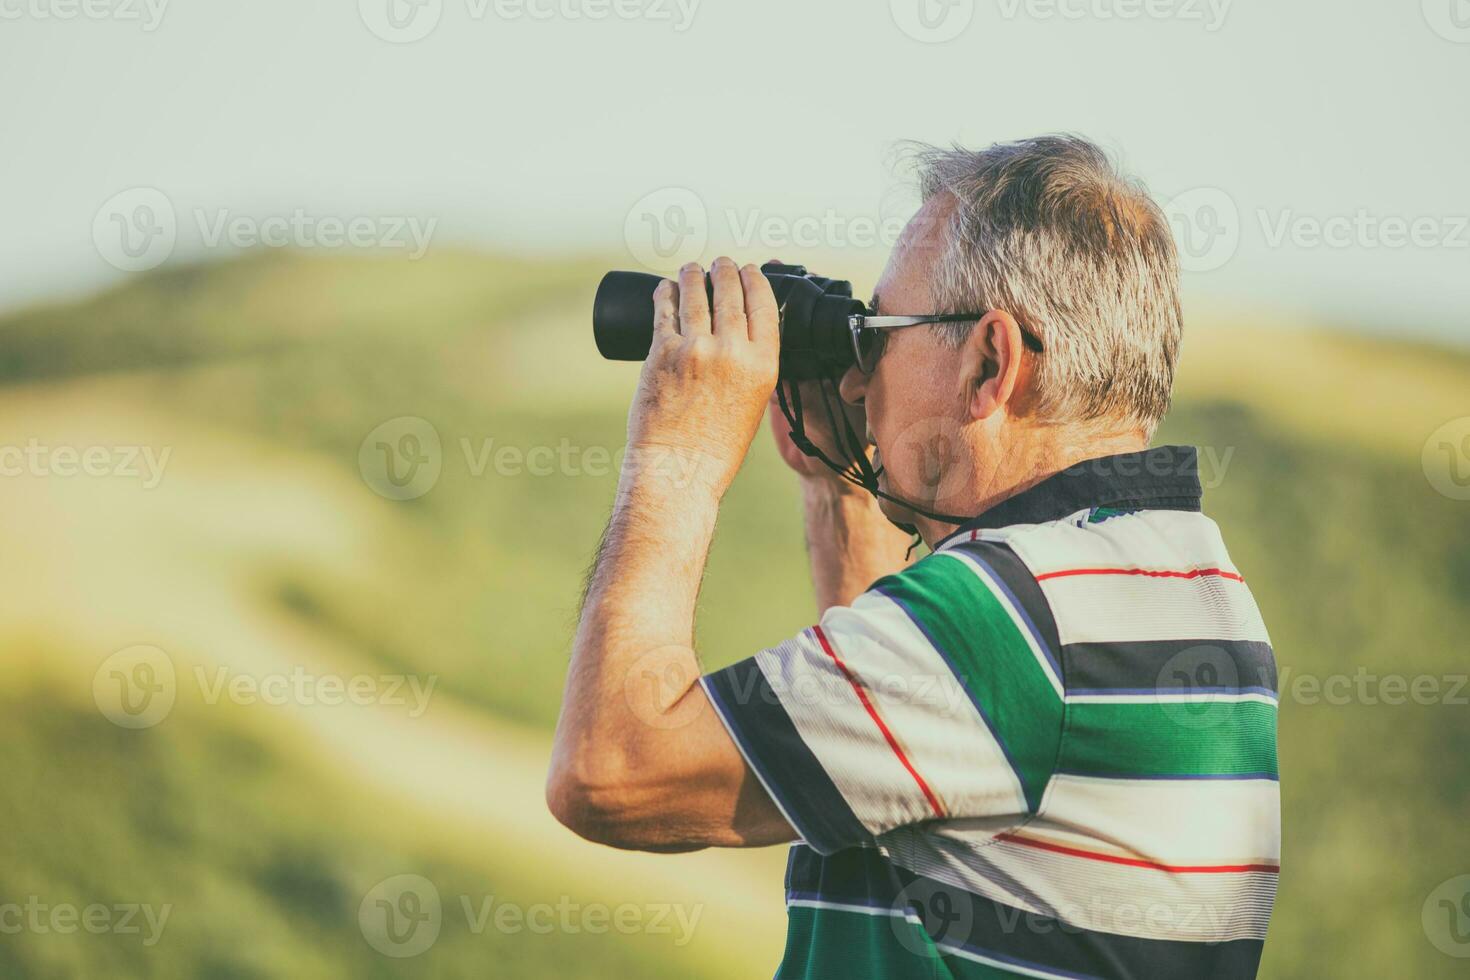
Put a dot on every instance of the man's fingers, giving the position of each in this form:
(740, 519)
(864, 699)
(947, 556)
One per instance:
(693, 302)
(729, 313)
(665, 310)
(762, 318)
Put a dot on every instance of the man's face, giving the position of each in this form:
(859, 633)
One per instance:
(916, 397)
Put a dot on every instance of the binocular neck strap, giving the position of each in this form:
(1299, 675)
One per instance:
(858, 469)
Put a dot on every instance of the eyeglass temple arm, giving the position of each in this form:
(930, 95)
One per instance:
(859, 321)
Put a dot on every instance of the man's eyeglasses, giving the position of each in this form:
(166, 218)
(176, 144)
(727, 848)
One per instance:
(870, 333)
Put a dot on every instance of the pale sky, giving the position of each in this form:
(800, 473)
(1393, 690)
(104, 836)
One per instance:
(1315, 152)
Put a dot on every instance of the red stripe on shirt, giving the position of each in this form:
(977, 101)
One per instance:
(873, 713)
(1150, 572)
(1137, 862)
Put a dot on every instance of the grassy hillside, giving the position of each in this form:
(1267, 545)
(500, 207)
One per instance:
(254, 863)
(264, 546)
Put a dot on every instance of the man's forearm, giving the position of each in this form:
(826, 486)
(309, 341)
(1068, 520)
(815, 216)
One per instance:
(850, 544)
(640, 602)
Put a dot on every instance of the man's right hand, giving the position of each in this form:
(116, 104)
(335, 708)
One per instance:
(819, 430)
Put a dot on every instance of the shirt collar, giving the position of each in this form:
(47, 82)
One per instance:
(1164, 477)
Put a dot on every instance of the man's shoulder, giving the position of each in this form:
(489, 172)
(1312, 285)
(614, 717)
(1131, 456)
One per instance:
(1141, 533)
(1098, 540)
(969, 577)
(1101, 575)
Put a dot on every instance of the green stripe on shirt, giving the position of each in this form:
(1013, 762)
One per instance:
(1218, 738)
(873, 947)
(973, 630)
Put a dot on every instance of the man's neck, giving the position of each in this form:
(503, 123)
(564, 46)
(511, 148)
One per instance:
(1027, 459)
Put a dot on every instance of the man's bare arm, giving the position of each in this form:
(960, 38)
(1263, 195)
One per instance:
(641, 760)
(849, 543)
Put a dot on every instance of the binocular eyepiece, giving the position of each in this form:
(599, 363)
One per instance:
(816, 341)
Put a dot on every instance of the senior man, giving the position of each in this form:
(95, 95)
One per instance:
(1045, 749)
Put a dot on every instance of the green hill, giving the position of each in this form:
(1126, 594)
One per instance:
(266, 544)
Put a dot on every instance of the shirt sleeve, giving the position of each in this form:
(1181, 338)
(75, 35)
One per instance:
(936, 695)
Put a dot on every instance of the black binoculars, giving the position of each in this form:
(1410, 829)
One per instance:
(816, 318)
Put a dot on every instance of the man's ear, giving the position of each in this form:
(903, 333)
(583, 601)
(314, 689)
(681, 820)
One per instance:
(991, 362)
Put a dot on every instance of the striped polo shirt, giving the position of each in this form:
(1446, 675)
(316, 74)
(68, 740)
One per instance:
(1047, 749)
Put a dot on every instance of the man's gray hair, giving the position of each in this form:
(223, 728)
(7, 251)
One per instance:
(1049, 231)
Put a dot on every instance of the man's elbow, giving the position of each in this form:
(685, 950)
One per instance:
(574, 805)
(594, 805)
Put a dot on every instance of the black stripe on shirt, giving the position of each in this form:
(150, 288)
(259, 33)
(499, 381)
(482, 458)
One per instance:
(955, 917)
(791, 773)
(1181, 666)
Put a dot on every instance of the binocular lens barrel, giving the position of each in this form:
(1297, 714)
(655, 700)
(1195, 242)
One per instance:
(815, 339)
(622, 315)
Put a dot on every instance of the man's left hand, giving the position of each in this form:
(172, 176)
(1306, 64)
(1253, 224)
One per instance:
(709, 373)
